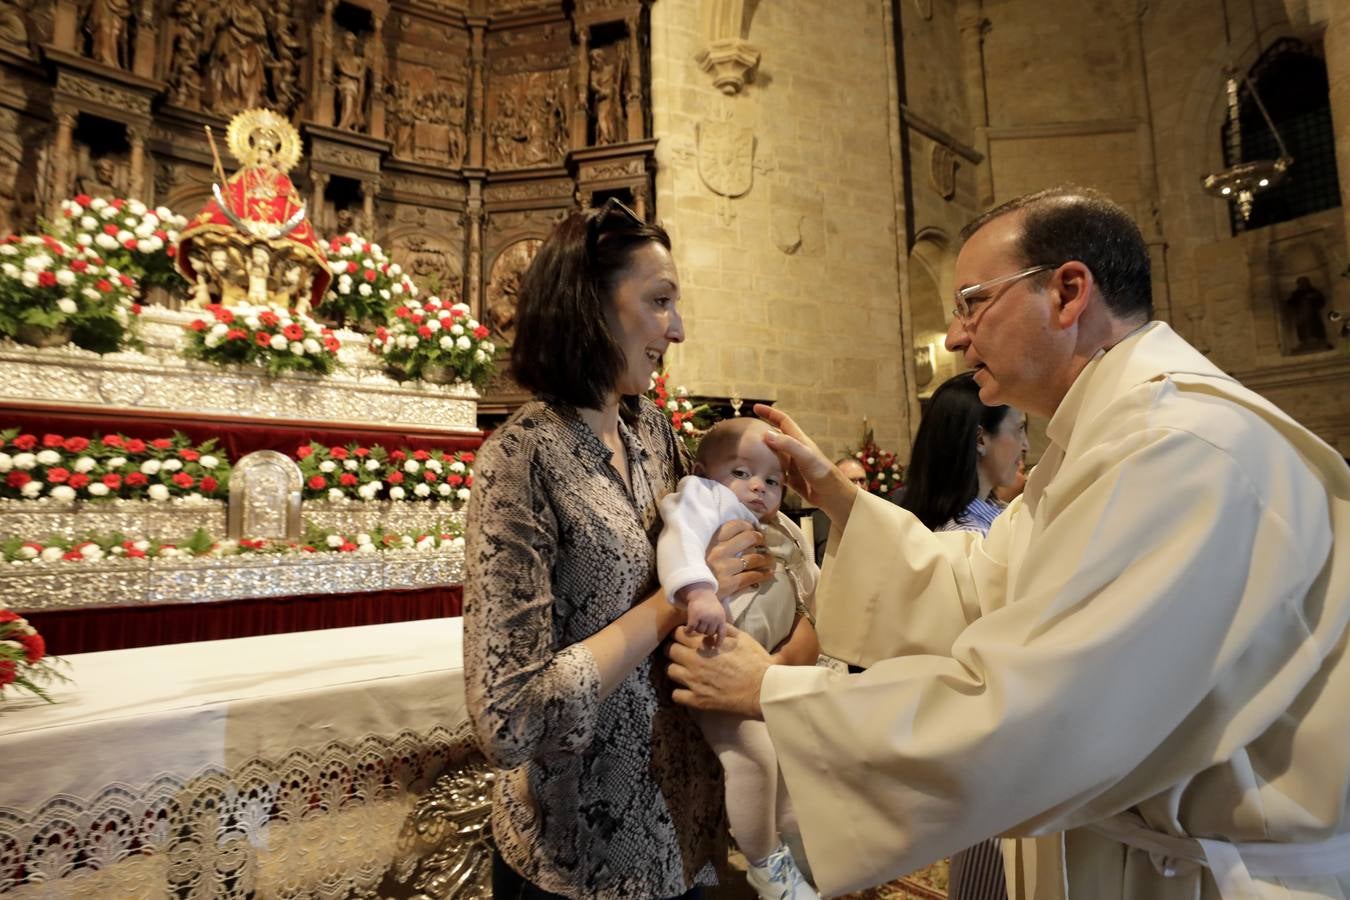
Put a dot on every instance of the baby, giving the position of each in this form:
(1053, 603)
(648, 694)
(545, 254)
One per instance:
(739, 477)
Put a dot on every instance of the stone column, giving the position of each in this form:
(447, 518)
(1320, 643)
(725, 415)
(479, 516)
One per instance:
(62, 151)
(473, 271)
(136, 183)
(974, 26)
(1336, 46)
(316, 207)
(377, 66)
(580, 112)
(633, 89)
(476, 105)
(147, 38)
(321, 91)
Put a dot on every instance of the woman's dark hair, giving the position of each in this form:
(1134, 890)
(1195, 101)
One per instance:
(564, 350)
(942, 477)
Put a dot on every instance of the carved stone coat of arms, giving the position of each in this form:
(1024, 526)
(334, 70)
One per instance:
(726, 157)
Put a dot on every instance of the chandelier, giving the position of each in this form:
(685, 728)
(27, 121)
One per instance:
(1240, 182)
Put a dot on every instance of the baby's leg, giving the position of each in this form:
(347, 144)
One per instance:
(746, 753)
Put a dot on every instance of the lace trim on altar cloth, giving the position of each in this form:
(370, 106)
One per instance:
(352, 821)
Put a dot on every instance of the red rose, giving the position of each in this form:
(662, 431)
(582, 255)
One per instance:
(338, 452)
(421, 454)
(263, 339)
(135, 445)
(454, 480)
(161, 443)
(72, 556)
(112, 480)
(466, 456)
(76, 444)
(456, 313)
(130, 244)
(381, 332)
(429, 476)
(78, 265)
(362, 452)
(317, 483)
(104, 285)
(190, 455)
(395, 478)
(128, 281)
(52, 441)
(352, 266)
(424, 331)
(57, 475)
(417, 318)
(161, 234)
(46, 279)
(293, 332)
(137, 479)
(79, 480)
(209, 484)
(134, 553)
(7, 672)
(402, 312)
(468, 481)
(480, 332)
(347, 479)
(25, 442)
(370, 274)
(83, 199)
(17, 479)
(34, 647)
(184, 480)
(398, 456)
(118, 203)
(332, 344)
(268, 318)
(111, 229)
(110, 440)
(236, 334)
(222, 314)
(303, 452)
(347, 547)
(7, 615)
(197, 325)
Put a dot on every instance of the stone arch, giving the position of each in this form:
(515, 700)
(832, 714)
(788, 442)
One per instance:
(931, 283)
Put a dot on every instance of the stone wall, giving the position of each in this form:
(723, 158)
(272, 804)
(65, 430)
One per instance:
(791, 288)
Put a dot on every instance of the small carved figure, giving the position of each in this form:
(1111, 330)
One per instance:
(13, 25)
(185, 48)
(107, 27)
(285, 68)
(349, 73)
(238, 48)
(259, 267)
(605, 100)
(1304, 308)
(401, 115)
(99, 179)
(228, 268)
(345, 220)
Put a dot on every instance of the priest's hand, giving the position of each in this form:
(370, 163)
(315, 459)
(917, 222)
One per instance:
(725, 678)
(809, 471)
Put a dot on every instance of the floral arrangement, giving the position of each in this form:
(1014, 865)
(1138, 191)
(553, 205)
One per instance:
(133, 238)
(97, 548)
(52, 292)
(277, 339)
(356, 472)
(366, 284)
(108, 468)
(436, 340)
(689, 421)
(885, 475)
(23, 656)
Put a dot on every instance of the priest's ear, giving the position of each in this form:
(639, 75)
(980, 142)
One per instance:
(1073, 284)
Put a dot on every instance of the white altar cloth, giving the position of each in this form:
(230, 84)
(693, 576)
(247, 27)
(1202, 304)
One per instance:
(272, 760)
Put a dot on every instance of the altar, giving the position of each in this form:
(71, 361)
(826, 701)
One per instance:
(284, 765)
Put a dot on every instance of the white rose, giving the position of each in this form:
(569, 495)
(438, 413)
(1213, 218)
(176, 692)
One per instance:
(10, 270)
(446, 342)
(434, 465)
(91, 552)
(32, 489)
(142, 545)
(367, 491)
(427, 542)
(97, 203)
(144, 230)
(98, 489)
(444, 489)
(6, 462)
(28, 552)
(312, 346)
(372, 465)
(396, 288)
(29, 279)
(88, 223)
(62, 492)
(84, 240)
(396, 493)
(208, 462)
(406, 540)
(336, 494)
(364, 289)
(457, 329)
(297, 348)
(462, 493)
(366, 548)
(213, 339)
(150, 467)
(136, 207)
(384, 293)
(52, 554)
(422, 490)
(327, 465)
(457, 467)
(84, 464)
(253, 322)
(115, 462)
(24, 461)
(279, 342)
(411, 466)
(158, 492)
(48, 457)
(106, 241)
(334, 540)
(346, 249)
(688, 427)
(172, 465)
(463, 342)
(38, 262)
(338, 267)
(351, 465)
(170, 552)
(66, 278)
(434, 324)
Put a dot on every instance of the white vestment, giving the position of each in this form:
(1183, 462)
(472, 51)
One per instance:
(1158, 624)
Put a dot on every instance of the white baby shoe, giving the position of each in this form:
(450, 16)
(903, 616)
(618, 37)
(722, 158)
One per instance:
(778, 878)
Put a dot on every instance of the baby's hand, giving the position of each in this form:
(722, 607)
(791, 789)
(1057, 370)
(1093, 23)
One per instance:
(707, 615)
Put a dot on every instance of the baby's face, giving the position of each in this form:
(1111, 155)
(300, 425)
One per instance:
(754, 474)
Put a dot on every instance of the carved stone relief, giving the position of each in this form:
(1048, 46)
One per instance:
(504, 287)
(350, 71)
(527, 119)
(942, 170)
(608, 72)
(14, 25)
(427, 116)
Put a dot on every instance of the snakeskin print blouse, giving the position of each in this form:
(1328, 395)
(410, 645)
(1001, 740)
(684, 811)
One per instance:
(608, 799)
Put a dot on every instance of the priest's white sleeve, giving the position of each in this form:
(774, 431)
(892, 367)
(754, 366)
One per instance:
(692, 513)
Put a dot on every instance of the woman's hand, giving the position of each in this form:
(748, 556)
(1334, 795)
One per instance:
(809, 471)
(737, 558)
